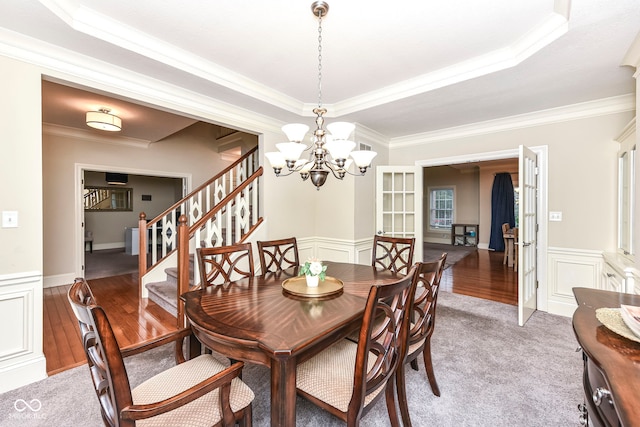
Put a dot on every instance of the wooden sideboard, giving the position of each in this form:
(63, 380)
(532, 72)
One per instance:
(611, 378)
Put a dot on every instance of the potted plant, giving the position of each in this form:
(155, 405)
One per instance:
(314, 271)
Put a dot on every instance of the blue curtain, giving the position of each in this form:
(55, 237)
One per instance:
(502, 209)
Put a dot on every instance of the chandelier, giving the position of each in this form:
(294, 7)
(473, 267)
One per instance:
(329, 151)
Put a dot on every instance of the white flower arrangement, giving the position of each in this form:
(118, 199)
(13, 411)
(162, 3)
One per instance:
(314, 267)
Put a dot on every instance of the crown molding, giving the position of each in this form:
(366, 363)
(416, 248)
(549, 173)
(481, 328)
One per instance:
(68, 66)
(632, 57)
(89, 136)
(84, 19)
(582, 110)
(551, 29)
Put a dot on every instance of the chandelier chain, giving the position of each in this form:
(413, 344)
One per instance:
(319, 58)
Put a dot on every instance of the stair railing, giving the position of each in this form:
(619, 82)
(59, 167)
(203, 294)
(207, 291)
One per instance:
(157, 237)
(231, 221)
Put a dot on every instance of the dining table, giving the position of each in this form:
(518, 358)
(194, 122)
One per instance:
(258, 320)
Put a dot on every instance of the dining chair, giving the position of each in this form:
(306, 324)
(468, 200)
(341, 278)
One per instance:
(422, 318)
(224, 264)
(198, 392)
(393, 253)
(276, 255)
(348, 378)
(506, 229)
(515, 248)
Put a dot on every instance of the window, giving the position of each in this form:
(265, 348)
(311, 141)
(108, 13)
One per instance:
(441, 207)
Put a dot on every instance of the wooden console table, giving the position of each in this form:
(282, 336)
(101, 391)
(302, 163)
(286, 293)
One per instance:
(611, 378)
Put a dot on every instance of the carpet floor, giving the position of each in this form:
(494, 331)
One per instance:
(109, 262)
(491, 372)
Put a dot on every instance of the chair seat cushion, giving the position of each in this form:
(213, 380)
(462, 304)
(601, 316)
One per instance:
(415, 346)
(329, 375)
(204, 411)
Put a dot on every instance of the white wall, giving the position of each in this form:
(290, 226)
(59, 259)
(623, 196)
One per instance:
(582, 172)
(21, 357)
(191, 153)
(581, 176)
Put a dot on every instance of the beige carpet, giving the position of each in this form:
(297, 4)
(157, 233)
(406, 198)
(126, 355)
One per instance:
(109, 262)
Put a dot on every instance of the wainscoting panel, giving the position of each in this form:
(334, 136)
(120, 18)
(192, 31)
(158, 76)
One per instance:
(21, 359)
(338, 250)
(569, 268)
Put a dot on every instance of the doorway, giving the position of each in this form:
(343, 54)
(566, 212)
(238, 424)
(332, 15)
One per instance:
(541, 207)
(115, 231)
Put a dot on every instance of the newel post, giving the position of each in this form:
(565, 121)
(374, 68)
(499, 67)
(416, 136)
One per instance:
(142, 250)
(183, 267)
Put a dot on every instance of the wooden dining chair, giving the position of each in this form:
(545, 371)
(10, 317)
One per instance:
(515, 248)
(276, 255)
(423, 318)
(393, 253)
(505, 230)
(348, 378)
(224, 264)
(197, 392)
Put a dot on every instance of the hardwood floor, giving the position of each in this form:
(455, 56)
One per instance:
(480, 274)
(133, 321)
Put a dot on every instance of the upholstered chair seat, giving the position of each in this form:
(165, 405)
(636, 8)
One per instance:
(328, 376)
(202, 412)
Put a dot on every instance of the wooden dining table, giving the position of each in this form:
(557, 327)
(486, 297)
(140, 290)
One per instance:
(256, 320)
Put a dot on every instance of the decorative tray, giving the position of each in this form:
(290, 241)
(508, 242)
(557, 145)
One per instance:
(298, 286)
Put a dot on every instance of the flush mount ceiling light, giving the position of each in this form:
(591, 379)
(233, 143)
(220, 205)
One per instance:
(104, 120)
(329, 151)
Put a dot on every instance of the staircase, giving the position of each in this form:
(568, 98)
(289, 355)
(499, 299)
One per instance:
(222, 211)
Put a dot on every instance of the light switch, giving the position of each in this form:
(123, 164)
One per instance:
(555, 216)
(9, 219)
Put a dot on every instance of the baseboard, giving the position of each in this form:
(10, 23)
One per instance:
(103, 246)
(22, 374)
(58, 280)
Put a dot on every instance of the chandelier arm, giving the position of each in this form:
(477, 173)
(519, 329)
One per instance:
(335, 172)
(288, 172)
(353, 174)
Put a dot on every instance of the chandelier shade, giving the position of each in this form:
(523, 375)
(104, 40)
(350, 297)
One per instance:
(330, 149)
(295, 131)
(103, 120)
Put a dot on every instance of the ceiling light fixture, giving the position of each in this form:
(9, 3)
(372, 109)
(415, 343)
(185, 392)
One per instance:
(104, 120)
(330, 151)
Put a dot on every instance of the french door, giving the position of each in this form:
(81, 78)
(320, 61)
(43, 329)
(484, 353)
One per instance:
(399, 203)
(527, 235)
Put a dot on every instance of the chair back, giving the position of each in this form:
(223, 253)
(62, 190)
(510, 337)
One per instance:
(423, 311)
(393, 253)
(108, 372)
(224, 264)
(382, 338)
(276, 255)
(505, 228)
